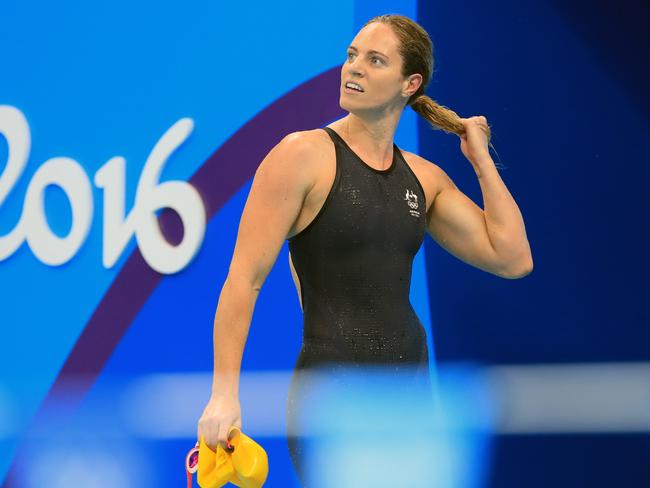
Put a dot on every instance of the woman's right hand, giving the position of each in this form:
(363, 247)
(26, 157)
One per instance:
(221, 412)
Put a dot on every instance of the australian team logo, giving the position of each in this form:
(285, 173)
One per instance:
(412, 200)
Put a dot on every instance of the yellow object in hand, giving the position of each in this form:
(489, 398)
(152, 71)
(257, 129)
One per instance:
(247, 466)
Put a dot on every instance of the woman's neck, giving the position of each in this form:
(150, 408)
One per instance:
(372, 139)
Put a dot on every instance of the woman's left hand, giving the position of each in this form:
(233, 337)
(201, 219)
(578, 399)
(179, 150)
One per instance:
(474, 143)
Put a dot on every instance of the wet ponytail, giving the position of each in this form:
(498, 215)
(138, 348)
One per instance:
(416, 50)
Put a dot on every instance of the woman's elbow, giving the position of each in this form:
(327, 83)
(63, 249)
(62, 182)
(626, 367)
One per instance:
(519, 269)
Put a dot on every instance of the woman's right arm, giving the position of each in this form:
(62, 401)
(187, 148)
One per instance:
(277, 193)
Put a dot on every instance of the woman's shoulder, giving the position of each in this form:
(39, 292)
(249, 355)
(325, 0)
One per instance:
(428, 168)
(305, 155)
(307, 147)
(307, 139)
(431, 176)
(415, 160)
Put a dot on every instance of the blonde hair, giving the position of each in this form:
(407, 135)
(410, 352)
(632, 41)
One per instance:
(416, 50)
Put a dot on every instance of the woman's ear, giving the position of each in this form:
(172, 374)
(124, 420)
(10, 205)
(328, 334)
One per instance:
(413, 84)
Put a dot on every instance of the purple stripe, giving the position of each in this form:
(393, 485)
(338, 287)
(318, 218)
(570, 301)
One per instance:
(310, 105)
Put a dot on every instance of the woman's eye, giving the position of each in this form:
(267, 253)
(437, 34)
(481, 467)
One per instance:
(373, 59)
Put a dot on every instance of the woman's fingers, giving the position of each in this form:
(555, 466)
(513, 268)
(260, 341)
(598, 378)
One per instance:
(223, 435)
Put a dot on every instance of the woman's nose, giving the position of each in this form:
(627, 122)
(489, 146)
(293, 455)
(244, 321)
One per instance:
(352, 67)
(353, 70)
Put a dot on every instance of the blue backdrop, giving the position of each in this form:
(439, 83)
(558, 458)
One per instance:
(105, 367)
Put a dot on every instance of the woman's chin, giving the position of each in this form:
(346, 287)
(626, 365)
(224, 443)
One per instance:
(349, 106)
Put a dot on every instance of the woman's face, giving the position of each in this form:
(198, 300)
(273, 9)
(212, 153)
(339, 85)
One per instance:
(373, 62)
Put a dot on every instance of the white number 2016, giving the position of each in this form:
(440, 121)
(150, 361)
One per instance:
(118, 228)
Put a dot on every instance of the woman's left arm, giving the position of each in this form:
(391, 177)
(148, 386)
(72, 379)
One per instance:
(493, 239)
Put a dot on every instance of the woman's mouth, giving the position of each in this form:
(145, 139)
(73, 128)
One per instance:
(351, 87)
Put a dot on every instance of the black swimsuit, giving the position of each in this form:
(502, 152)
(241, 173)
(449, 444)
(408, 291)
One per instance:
(354, 264)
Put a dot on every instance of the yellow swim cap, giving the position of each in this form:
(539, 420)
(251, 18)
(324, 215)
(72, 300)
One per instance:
(246, 465)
